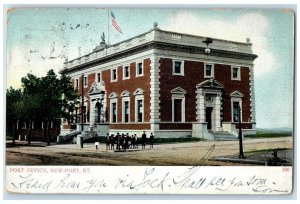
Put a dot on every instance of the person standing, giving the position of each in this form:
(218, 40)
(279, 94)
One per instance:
(144, 138)
(151, 140)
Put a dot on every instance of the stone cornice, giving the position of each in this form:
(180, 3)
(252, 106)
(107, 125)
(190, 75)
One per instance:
(160, 46)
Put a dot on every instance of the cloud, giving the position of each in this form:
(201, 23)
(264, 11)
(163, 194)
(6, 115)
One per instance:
(250, 25)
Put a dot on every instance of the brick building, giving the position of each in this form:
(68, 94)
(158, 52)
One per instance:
(166, 83)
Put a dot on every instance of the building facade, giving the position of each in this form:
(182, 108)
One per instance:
(166, 83)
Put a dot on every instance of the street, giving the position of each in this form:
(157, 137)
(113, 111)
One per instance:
(194, 153)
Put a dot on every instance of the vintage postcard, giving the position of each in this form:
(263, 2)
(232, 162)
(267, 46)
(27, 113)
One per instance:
(149, 100)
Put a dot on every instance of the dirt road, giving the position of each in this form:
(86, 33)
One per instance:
(195, 153)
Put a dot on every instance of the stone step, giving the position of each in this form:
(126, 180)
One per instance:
(223, 136)
(231, 138)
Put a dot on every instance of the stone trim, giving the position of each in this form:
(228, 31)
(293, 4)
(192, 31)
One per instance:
(237, 94)
(163, 46)
(154, 89)
(252, 96)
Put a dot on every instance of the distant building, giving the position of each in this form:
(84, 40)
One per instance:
(166, 83)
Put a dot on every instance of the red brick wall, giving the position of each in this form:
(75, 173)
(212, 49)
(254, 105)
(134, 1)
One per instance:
(223, 75)
(244, 126)
(143, 126)
(90, 81)
(130, 85)
(193, 75)
(175, 126)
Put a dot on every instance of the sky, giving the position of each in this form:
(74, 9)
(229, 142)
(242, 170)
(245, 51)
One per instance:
(39, 39)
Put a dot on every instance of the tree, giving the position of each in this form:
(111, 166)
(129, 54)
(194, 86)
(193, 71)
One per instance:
(12, 96)
(47, 98)
(59, 98)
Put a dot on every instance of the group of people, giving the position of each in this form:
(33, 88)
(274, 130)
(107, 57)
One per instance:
(125, 141)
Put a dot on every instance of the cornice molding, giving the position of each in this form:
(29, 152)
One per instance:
(160, 46)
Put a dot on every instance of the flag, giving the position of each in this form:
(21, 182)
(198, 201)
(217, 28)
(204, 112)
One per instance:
(114, 22)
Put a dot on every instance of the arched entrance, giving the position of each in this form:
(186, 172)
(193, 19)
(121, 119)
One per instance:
(98, 103)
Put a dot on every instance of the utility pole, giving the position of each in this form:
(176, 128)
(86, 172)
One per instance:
(241, 156)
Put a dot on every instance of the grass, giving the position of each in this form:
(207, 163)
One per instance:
(262, 134)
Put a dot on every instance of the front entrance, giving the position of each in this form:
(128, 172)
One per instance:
(208, 114)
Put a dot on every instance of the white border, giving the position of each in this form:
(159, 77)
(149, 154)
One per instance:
(214, 4)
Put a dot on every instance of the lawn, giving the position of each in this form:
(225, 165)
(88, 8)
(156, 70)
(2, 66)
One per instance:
(269, 134)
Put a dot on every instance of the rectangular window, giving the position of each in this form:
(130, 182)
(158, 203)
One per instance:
(126, 72)
(98, 77)
(209, 70)
(140, 110)
(235, 73)
(114, 75)
(77, 83)
(235, 114)
(126, 111)
(85, 81)
(178, 68)
(114, 112)
(139, 69)
(177, 110)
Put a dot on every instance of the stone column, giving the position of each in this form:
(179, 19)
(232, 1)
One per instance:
(202, 108)
(92, 112)
(218, 113)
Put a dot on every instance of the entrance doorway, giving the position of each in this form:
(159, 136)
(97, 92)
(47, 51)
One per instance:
(208, 116)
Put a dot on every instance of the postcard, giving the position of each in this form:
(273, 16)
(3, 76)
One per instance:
(149, 100)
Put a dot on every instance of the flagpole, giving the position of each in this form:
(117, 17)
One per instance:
(108, 26)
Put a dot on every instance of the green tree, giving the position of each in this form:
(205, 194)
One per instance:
(59, 99)
(12, 96)
(47, 98)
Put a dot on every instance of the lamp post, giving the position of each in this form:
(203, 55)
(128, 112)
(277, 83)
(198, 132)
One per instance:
(82, 109)
(241, 156)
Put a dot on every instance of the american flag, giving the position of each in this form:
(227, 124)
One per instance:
(114, 22)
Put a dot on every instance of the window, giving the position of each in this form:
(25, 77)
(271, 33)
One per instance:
(139, 69)
(114, 75)
(113, 107)
(98, 77)
(114, 112)
(178, 68)
(125, 106)
(77, 83)
(139, 111)
(209, 71)
(177, 110)
(139, 105)
(178, 104)
(236, 102)
(126, 111)
(235, 73)
(85, 81)
(235, 114)
(126, 72)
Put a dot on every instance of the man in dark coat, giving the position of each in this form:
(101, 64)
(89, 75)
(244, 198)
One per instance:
(144, 138)
(151, 140)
